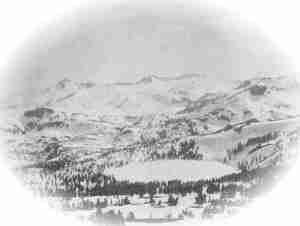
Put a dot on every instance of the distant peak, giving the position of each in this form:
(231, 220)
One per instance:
(147, 79)
(182, 77)
(151, 78)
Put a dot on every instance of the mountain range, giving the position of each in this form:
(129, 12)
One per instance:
(247, 123)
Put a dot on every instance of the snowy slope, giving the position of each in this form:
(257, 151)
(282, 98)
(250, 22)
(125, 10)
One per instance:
(109, 125)
(151, 94)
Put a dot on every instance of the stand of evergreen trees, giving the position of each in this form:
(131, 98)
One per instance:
(96, 184)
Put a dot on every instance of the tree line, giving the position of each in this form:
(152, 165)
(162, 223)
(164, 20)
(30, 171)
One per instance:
(89, 183)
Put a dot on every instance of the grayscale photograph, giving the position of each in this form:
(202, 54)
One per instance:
(150, 115)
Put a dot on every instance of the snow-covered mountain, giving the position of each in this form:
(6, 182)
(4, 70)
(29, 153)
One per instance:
(149, 95)
(155, 95)
(75, 123)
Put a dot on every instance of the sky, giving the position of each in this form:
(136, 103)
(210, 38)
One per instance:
(126, 43)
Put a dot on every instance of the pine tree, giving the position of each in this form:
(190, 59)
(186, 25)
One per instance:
(172, 201)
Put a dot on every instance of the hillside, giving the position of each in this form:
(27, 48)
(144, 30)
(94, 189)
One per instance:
(83, 127)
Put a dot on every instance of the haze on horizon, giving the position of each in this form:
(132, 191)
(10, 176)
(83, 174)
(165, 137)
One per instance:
(127, 43)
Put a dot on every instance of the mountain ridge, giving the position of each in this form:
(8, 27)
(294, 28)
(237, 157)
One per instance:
(206, 126)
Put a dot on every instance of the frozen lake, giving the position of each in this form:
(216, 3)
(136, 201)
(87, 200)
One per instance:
(166, 170)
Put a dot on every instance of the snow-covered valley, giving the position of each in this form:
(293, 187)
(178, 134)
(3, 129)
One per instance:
(159, 137)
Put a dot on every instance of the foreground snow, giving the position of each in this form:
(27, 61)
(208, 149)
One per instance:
(166, 170)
